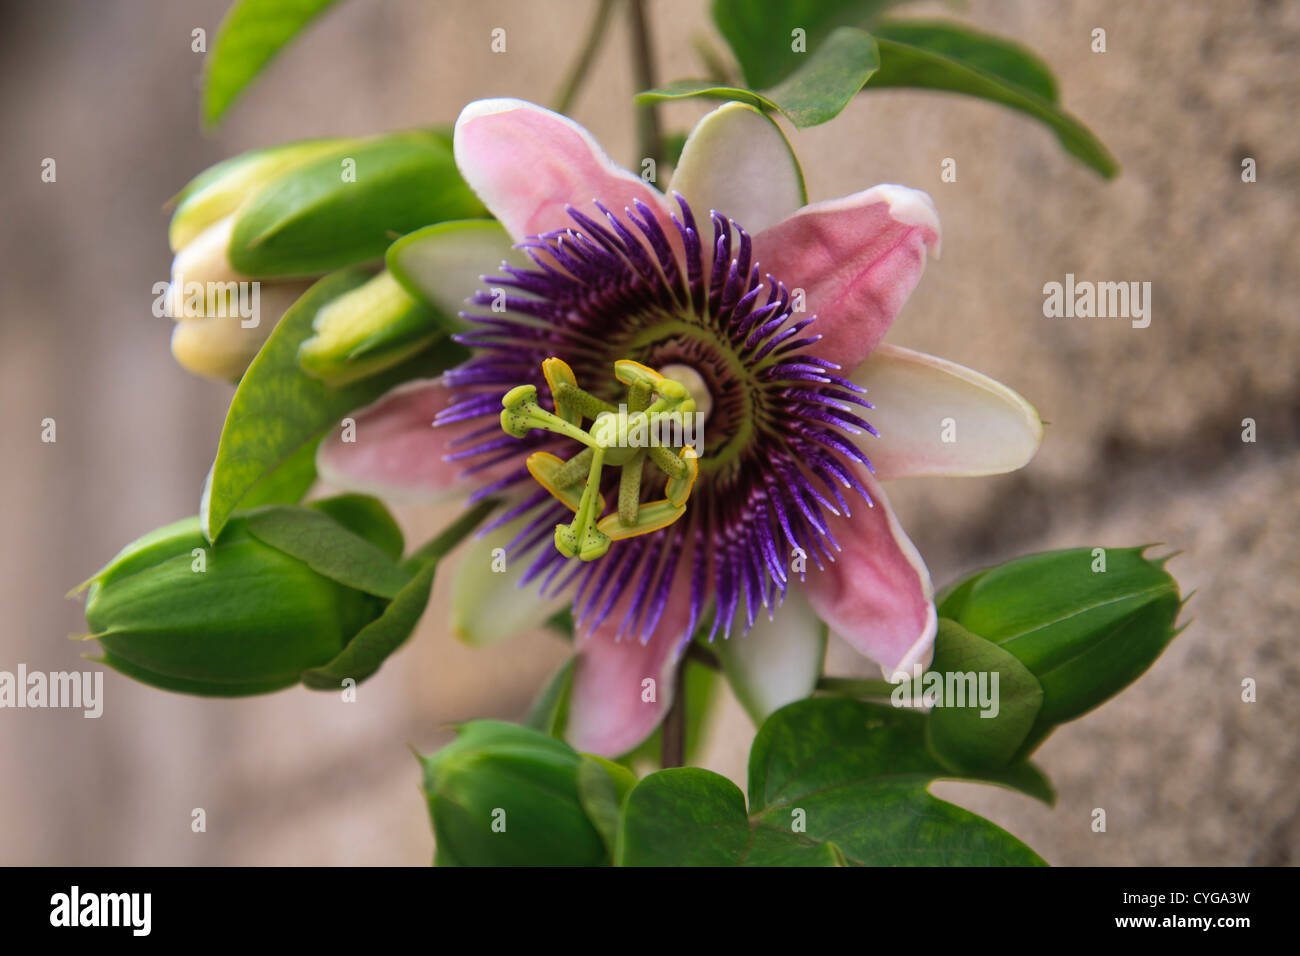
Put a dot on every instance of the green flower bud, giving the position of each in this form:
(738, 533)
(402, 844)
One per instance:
(250, 231)
(365, 331)
(348, 205)
(245, 616)
(505, 795)
(1084, 622)
(221, 189)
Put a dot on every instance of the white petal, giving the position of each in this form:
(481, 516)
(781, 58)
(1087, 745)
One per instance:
(444, 264)
(738, 162)
(488, 605)
(778, 661)
(936, 417)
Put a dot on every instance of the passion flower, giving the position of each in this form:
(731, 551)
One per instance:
(769, 313)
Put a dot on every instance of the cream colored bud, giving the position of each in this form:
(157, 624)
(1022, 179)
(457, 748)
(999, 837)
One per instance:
(221, 346)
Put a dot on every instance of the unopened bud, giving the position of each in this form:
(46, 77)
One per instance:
(242, 616)
(505, 795)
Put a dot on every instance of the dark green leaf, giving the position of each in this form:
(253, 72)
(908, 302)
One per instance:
(314, 218)
(550, 709)
(251, 34)
(328, 548)
(990, 54)
(366, 516)
(375, 642)
(277, 408)
(816, 92)
(959, 732)
(1085, 633)
(964, 61)
(831, 781)
(561, 622)
(603, 787)
(761, 32)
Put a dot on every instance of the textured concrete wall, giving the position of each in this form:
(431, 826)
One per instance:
(1144, 441)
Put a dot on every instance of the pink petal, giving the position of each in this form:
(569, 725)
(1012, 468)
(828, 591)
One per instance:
(527, 163)
(398, 453)
(607, 715)
(857, 260)
(877, 594)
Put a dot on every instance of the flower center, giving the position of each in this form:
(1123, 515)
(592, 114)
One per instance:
(641, 290)
(655, 425)
(694, 384)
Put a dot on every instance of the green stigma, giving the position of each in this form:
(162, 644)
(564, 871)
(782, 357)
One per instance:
(657, 424)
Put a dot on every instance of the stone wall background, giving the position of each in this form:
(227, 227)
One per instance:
(1144, 441)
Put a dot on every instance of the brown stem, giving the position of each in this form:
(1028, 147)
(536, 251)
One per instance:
(578, 72)
(673, 744)
(649, 134)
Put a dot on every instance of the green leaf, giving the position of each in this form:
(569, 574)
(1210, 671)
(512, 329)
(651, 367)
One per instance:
(561, 622)
(374, 643)
(831, 782)
(688, 816)
(824, 83)
(251, 34)
(366, 516)
(985, 52)
(937, 56)
(220, 189)
(287, 484)
(328, 548)
(603, 787)
(962, 733)
(278, 409)
(925, 54)
(550, 709)
(1083, 632)
(761, 32)
(347, 206)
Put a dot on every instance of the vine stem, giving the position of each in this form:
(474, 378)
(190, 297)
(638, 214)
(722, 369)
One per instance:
(855, 687)
(673, 742)
(649, 134)
(582, 65)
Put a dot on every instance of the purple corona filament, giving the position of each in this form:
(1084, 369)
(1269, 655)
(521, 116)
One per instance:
(777, 455)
